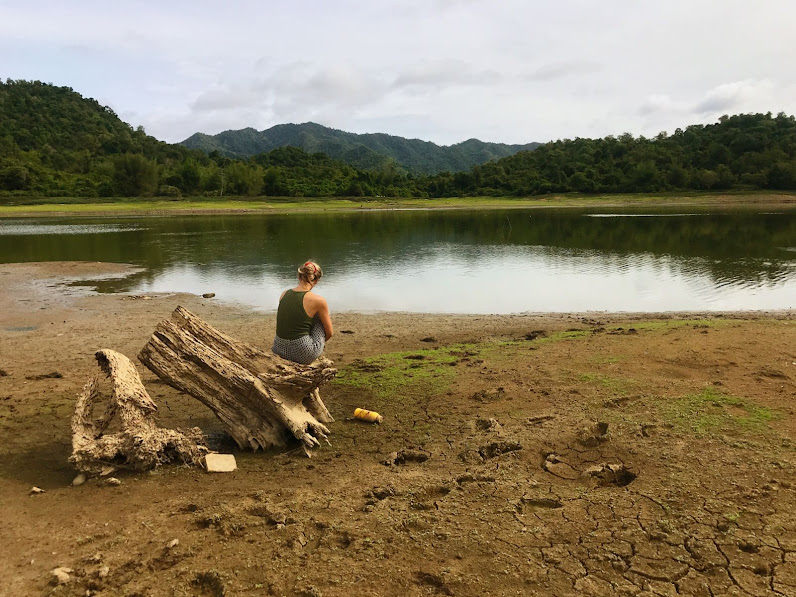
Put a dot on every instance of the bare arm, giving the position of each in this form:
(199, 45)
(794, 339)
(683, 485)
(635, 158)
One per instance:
(323, 314)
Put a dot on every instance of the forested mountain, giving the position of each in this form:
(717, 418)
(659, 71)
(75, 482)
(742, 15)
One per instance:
(369, 151)
(746, 151)
(55, 143)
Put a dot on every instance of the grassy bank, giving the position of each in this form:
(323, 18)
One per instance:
(33, 206)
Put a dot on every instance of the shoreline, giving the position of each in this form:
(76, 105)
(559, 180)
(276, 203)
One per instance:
(268, 206)
(55, 279)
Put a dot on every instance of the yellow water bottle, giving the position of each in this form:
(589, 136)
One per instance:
(368, 415)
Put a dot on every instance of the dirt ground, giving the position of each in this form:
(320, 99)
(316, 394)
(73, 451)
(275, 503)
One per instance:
(500, 482)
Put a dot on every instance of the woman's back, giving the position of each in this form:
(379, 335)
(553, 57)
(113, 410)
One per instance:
(292, 320)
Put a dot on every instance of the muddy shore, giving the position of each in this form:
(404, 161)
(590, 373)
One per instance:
(691, 491)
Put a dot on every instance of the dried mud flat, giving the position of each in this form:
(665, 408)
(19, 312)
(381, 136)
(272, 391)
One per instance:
(491, 474)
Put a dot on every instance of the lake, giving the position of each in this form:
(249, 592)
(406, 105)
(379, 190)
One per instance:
(452, 261)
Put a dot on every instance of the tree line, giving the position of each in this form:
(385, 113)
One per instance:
(55, 143)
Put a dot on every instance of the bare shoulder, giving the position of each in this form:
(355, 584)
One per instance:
(316, 299)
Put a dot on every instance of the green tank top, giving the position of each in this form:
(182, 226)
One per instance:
(292, 320)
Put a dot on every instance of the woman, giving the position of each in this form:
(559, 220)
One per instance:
(303, 325)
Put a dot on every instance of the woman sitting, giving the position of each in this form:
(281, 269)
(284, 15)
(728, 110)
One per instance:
(303, 325)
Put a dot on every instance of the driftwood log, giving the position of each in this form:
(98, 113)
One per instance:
(139, 444)
(262, 400)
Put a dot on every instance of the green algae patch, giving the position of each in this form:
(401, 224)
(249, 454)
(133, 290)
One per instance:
(403, 373)
(616, 385)
(711, 412)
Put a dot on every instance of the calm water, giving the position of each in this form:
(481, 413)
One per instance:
(445, 261)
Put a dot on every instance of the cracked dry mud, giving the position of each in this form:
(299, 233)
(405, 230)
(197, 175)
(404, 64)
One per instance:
(567, 460)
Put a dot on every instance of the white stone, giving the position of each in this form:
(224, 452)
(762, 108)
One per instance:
(35, 490)
(113, 481)
(79, 480)
(172, 544)
(220, 463)
(61, 575)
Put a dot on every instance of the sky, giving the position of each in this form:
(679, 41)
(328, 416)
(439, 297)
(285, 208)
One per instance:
(511, 71)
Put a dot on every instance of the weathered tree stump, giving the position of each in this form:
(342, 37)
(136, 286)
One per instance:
(139, 444)
(261, 399)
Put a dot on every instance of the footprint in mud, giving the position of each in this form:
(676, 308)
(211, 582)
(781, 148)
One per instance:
(486, 396)
(603, 474)
(407, 455)
(610, 475)
(494, 449)
(551, 503)
(209, 583)
(433, 581)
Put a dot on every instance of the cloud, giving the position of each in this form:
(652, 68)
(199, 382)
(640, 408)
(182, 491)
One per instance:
(661, 103)
(445, 73)
(738, 95)
(558, 70)
(224, 99)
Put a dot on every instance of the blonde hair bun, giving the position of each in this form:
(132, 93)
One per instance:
(310, 272)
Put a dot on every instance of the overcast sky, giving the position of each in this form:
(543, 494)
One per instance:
(513, 71)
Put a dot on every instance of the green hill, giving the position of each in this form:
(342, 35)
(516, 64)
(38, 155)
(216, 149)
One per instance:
(53, 141)
(744, 151)
(368, 151)
(56, 143)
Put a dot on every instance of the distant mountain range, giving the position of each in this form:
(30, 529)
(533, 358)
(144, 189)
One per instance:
(369, 151)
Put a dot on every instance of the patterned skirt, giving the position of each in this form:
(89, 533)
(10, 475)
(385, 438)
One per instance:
(305, 349)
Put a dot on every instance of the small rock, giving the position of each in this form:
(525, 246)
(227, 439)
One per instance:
(555, 466)
(35, 490)
(52, 375)
(113, 481)
(428, 339)
(484, 424)
(208, 295)
(103, 571)
(146, 298)
(220, 463)
(79, 480)
(538, 420)
(3, 373)
(172, 544)
(381, 493)
(107, 470)
(535, 334)
(60, 575)
(592, 434)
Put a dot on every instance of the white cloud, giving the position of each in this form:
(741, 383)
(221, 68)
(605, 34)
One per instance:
(736, 96)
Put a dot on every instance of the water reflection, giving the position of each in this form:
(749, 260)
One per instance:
(451, 261)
